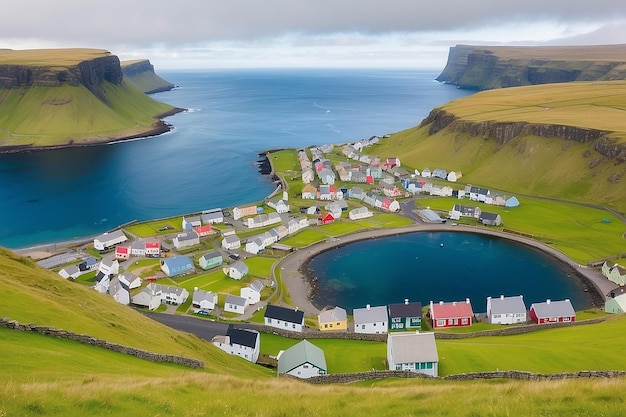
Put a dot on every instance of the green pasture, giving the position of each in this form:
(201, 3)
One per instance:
(304, 238)
(156, 227)
(341, 355)
(583, 233)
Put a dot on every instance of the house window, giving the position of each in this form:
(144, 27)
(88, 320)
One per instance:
(398, 367)
(326, 326)
(441, 323)
(362, 326)
(429, 365)
(464, 321)
(305, 366)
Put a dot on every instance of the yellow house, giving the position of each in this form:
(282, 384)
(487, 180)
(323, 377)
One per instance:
(333, 319)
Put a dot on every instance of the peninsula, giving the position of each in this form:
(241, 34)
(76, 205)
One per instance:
(53, 98)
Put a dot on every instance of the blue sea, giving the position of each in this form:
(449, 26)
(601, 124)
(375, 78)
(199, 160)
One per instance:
(440, 266)
(210, 157)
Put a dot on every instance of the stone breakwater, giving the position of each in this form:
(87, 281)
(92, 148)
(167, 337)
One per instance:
(86, 339)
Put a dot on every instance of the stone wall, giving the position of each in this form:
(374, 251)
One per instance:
(517, 375)
(83, 338)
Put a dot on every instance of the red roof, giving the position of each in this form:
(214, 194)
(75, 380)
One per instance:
(121, 249)
(451, 310)
(153, 245)
(203, 229)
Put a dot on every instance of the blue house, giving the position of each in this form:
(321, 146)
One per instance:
(177, 265)
(511, 202)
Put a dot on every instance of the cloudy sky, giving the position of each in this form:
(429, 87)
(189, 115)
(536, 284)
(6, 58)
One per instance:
(267, 33)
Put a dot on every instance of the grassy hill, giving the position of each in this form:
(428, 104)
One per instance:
(475, 142)
(140, 72)
(46, 376)
(70, 97)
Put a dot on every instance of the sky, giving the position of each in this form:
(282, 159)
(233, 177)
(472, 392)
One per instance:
(196, 34)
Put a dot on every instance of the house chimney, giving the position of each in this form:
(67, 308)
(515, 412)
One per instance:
(454, 303)
(467, 301)
(195, 288)
(406, 301)
(441, 302)
(367, 306)
(502, 296)
(548, 301)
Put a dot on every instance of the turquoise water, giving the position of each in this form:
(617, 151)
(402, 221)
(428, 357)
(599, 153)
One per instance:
(209, 159)
(416, 266)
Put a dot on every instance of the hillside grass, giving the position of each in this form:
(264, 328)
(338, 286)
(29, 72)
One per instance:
(581, 232)
(47, 116)
(538, 166)
(50, 57)
(34, 295)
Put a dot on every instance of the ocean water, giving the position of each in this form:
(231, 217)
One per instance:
(416, 266)
(209, 158)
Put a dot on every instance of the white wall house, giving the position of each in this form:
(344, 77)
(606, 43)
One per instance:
(303, 360)
(244, 343)
(506, 310)
(108, 240)
(372, 320)
(415, 352)
(235, 304)
(284, 318)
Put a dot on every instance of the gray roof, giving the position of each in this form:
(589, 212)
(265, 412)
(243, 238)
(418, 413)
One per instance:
(554, 309)
(504, 305)
(333, 315)
(236, 300)
(301, 353)
(413, 347)
(200, 295)
(257, 286)
(406, 309)
(370, 315)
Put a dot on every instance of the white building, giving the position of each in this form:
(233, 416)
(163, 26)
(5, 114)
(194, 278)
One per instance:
(415, 352)
(372, 320)
(241, 342)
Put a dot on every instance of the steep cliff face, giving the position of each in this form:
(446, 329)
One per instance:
(141, 74)
(482, 68)
(90, 73)
(503, 133)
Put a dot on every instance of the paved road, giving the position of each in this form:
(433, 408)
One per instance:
(204, 329)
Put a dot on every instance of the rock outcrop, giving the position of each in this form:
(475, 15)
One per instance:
(503, 132)
(141, 74)
(487, 67)
(90, 73)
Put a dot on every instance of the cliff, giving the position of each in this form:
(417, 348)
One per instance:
(52, 98)
(488, 67)
(141, 74)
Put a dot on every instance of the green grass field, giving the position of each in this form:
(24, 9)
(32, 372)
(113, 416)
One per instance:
(569, 228)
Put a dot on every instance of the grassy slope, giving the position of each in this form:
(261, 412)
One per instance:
(46, 116)
(547, 167)
(34, 295)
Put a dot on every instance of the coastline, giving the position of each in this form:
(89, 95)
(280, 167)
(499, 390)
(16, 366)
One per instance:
(159, 127)
(301, 283)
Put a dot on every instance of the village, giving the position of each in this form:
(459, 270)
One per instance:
(377, 186)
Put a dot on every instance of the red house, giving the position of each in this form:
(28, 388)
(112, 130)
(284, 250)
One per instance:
(452, 314)
(122, 252)
(204, 230)
(326, 218)
(552, 312)
(153, 249)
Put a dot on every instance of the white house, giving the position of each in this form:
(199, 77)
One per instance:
(281, 205)
(147, 297)
(360, 213)
(131, 280)
(241, 342)
(303, 360)
(506, 310)
(108, 240)
(203, 300)
(252, 293)
(372, 320)
(184, 239)
(284, 318)
(106, 269)
(189, 222)
(215, 216)
(415, 352)
(231, 242)
(615, 273)
(236, 270)
(119, 291)
(235, 304)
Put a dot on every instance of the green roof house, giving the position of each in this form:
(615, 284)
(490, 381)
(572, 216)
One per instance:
(303, 360)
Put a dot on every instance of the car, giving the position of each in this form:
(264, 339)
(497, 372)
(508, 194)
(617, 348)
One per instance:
(203, 312)
(227, 224)
(234, 256)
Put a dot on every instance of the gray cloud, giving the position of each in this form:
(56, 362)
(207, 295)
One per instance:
(145, 25)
